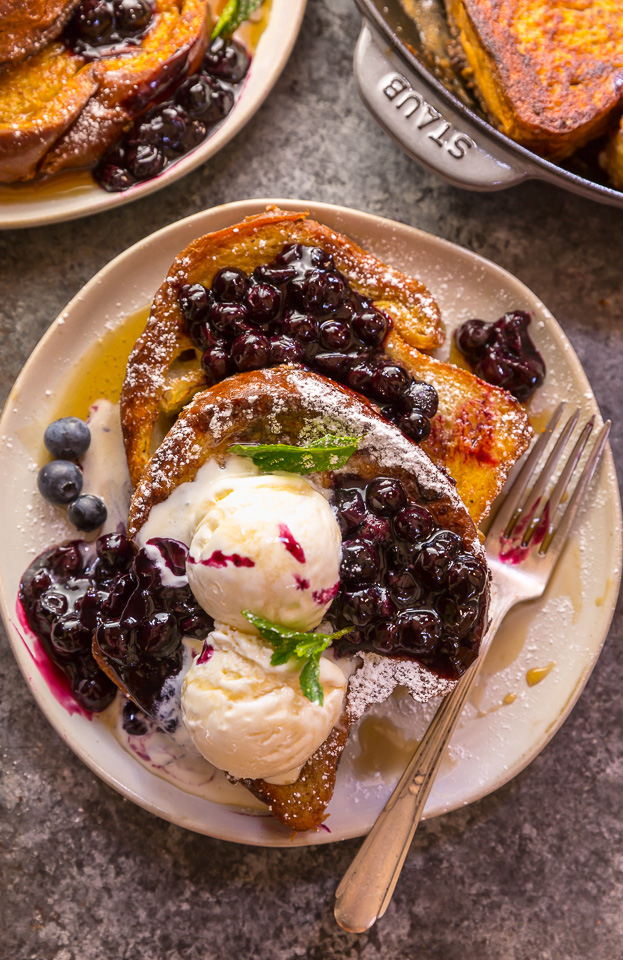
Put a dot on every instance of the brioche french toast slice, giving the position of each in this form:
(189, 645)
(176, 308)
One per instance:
(479, 431)
(40, 98)
(287, 404)
(547, 71)
(27, 27)
(59, 109)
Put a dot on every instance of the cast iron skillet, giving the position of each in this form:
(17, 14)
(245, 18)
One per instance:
(433, 125)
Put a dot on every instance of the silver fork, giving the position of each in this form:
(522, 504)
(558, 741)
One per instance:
(524, 543)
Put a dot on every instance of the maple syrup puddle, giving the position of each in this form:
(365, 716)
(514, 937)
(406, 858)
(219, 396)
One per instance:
(537, 674)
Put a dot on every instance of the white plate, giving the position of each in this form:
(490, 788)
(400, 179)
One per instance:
(69, 196)
(567, 627)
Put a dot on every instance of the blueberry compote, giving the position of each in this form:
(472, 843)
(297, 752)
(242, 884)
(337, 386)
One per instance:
(301, 309)
(101, 28)
(409, 586)
(502, 353)
(137, 603)
(179, 123)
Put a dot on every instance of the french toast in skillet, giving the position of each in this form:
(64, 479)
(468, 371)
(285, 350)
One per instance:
(287, 405)
(479, 431)
(61, 108)
(548, 72)
(27, 27)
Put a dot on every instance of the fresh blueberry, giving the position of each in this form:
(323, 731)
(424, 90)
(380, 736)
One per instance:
(67, 438)
(87, 512)
(60, 481)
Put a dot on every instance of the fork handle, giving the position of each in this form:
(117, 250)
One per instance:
(367, 886)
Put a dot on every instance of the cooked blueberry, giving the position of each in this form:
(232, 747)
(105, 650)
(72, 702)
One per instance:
(467, 578)
(196, 625)
(230, 285)
(226, 59)
(194, 303)
(93, 21)
(385, 496)
(37, 584)
(285, 350)
(361, 606)
(319, 258)
(195, 133)
(458, 618)
(95, 693)
(69, 635)
(384, 636)
(274, 273)
(471, 338)
(204, 99)
(60, 481)
(165, 128)
(413, 523)
(67, 438)
(334, 334)
(404, 588)
(132, 16)
(134, 721)
(371, 327)
(113, 177)
(398, 556)
(419, 630)
(415, 425)
(390, 382)
(144, 160)
(52, 605)
(422, 397)
(250, 351)
(360, 375)
(334, 365)
(87, 512)
(263, 302)
(350, 509)
(115, 641)
(431, 563)
(229, 319)
(334, 292)
(215, 363)
(66, 560)
(360, 562)
(158, 636)
(375, 529)
(311, 291)
(301, 326)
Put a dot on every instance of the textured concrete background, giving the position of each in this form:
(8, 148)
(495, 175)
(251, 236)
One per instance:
(534, 872)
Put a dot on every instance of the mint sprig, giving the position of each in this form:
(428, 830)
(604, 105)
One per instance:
(234, 13)
(306, 647)
(326, 453)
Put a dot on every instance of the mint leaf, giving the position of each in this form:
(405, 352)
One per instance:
(234, 13)
(310, 682)
(306, 647)
(326, 453)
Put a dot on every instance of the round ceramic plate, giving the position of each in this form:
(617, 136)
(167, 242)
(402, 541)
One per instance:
(539, 661)
(71, 195)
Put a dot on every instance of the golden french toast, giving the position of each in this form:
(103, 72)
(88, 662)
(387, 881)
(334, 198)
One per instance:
(547, 71)
(26, 27)
(479, 431)
(290, 405)
(62, 108)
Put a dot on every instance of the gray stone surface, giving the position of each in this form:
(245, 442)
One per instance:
(534, 872)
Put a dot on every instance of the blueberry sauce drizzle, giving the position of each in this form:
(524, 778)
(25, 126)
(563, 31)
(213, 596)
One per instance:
(408, 585)
(176, 125)
(104, 28)
(300, 309)
(502, 353)
(292, 545)
(122, 596)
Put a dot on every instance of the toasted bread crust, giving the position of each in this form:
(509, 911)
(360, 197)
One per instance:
(255, 241)
(283, 403)
(545, 70)
(27, 27)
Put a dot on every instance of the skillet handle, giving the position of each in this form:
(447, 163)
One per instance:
(428, 129)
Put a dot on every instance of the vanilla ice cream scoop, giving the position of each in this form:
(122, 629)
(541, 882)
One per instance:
(269, 544)
(250, 718)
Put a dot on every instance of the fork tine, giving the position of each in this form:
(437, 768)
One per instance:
(530, 508)
(565, 477)
(506, 512)
(562, 531)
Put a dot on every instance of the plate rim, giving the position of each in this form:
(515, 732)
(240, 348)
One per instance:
(97, 200)
(235, 210)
